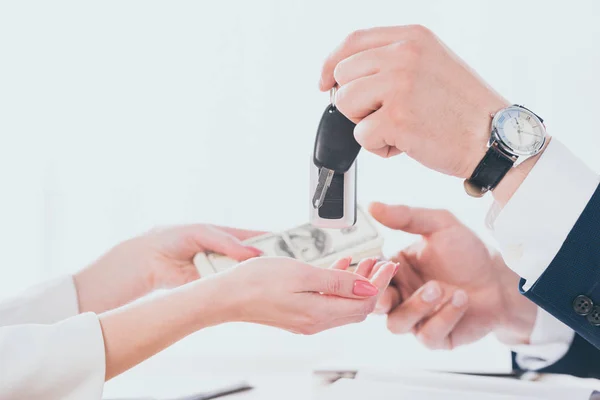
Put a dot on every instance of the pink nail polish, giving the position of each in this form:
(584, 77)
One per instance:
(364, 289)
(345, 262)
(396, 268)
(256, 250)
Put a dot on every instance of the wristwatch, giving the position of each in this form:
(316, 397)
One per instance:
(517, 134)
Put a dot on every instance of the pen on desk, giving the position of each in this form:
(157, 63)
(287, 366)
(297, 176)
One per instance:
(332, 375)
(235, 388)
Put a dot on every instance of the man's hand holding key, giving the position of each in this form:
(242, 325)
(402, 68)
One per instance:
(409, 93)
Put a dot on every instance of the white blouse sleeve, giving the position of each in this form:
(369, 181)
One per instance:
(63, 361)
(43, 304)
(41, 358)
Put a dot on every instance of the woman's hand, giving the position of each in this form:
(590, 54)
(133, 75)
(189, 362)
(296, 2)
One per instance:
(301, 298)
(162, 258)
(279, 292)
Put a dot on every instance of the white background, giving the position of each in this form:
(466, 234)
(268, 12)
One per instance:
(119, 116)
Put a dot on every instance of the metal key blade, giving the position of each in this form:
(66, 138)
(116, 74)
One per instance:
(325, 177)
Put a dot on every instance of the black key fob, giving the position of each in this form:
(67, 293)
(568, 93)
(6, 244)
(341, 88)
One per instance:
(335, 145)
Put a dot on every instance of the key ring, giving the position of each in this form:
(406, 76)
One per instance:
(332, 94)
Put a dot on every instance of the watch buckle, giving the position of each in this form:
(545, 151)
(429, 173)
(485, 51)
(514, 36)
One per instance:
(474, 190)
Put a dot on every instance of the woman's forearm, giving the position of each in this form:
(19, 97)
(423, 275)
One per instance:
(110, 282)
(140, 330)
(275, 291)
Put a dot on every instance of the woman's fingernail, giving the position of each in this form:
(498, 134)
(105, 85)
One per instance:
(459, 298)
(396, 268)
(431, 293)
(364, 289)
(255, 250)
(344, 262)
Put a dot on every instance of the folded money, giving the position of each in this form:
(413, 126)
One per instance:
(316, 246)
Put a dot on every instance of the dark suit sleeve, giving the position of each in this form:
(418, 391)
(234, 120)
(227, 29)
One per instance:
(580, 360)
(575, 271)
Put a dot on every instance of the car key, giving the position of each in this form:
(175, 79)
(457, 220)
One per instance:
(339, 208)
(335, 151)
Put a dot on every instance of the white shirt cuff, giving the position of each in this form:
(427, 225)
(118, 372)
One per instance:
(60, 361)
(549, 342)
(532, 227)
(46, 303)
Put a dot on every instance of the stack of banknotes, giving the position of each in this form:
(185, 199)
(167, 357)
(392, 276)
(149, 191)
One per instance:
(316, 246)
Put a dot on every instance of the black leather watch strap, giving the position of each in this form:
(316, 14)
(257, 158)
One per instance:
(489, 172)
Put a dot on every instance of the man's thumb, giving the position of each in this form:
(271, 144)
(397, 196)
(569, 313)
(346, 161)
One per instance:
(420, 221)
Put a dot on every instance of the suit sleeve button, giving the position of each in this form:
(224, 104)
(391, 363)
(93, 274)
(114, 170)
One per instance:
(594, 316)
(583, 305)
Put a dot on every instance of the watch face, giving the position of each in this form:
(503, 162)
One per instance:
(520, 130)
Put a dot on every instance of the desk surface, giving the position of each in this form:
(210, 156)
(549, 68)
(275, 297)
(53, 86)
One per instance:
(189, 368)
(168, 377)
(216, 358)
(198, 364)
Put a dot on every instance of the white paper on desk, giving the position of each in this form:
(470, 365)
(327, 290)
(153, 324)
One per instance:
(479, 385)
(350, 389)
(391, 352)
